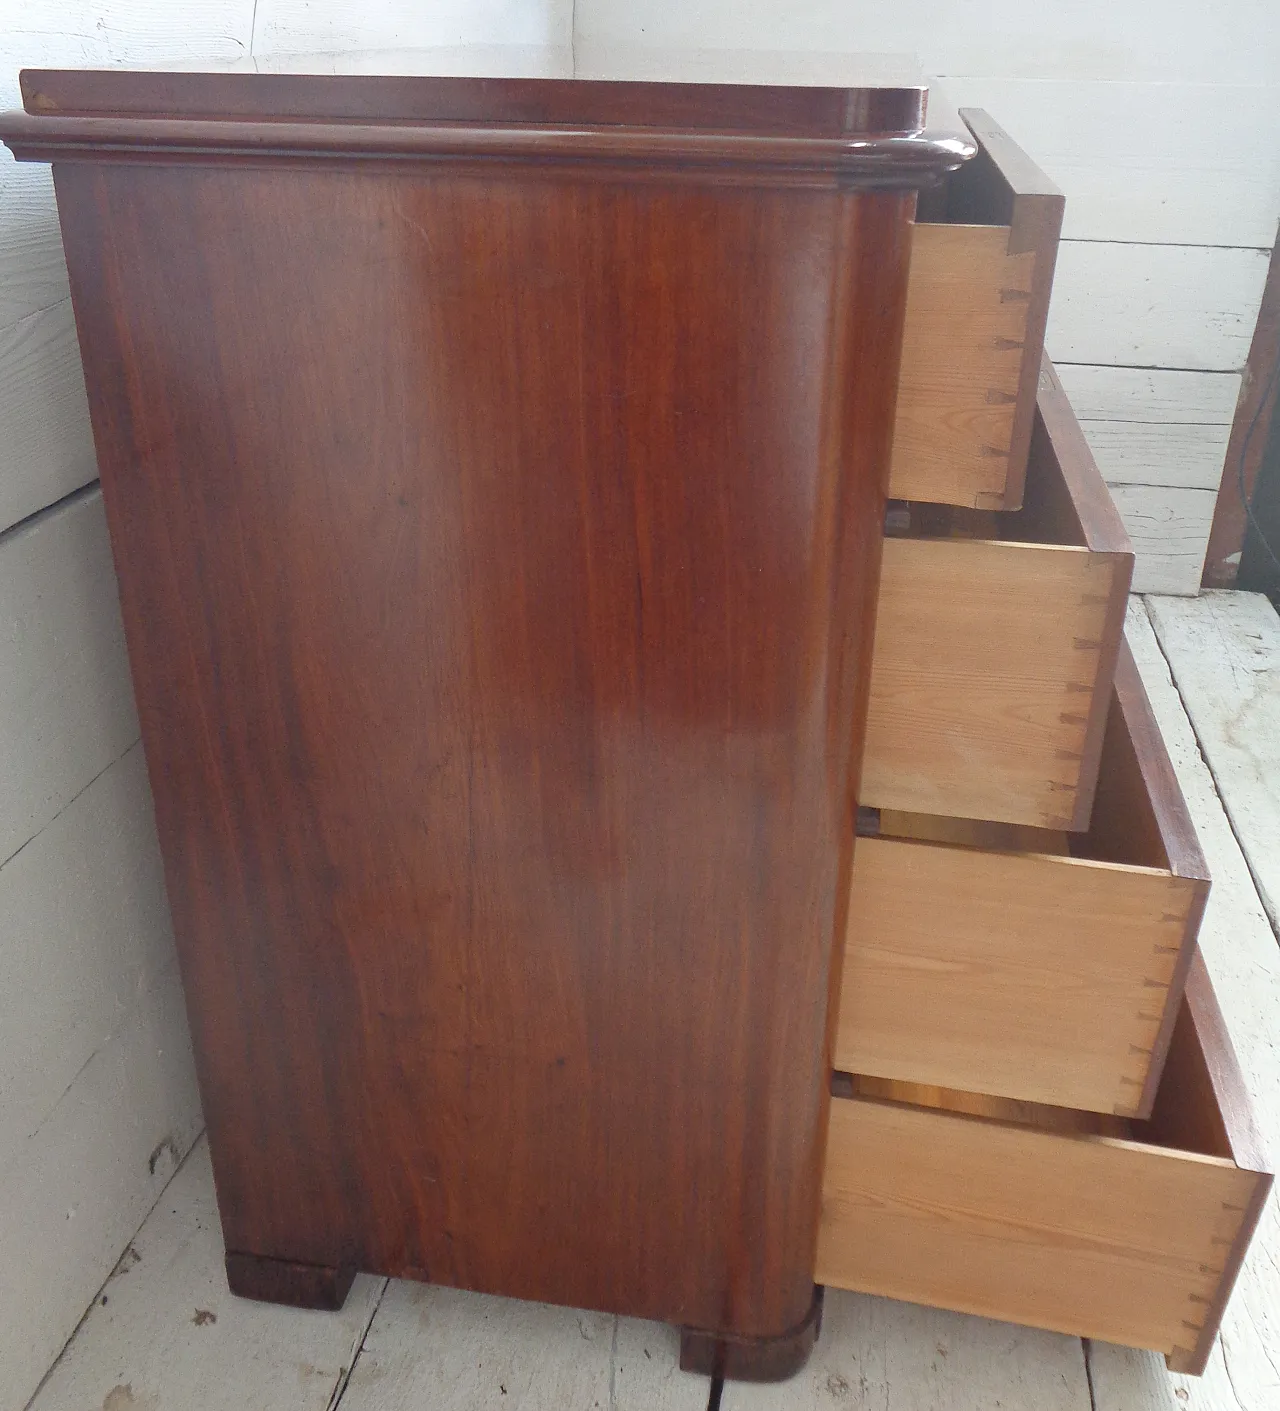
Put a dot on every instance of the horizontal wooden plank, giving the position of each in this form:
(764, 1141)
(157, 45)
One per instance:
(84, 928)
(1089, 1235)
(1224, 648)
(1151, 453)
(77, 1191)
(1159, 395)
(303, 27)
(46, 444)
(951, 729)
(453, 1351)
(1169, 527)
(33, 273)
(1019, 975)
(1088, 40)
(1240, 952)
(66, 699)
(1175, 306)
(1136, 158)
(875, 1352)
(168, 1333)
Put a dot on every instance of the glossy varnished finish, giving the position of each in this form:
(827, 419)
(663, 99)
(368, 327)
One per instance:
(497, 553)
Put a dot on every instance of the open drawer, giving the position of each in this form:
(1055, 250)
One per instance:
(1025, 963)
(1091, 1225)
(996, 638)
(982, 258)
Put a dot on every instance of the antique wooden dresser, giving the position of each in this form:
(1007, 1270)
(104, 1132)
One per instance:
(656, 809)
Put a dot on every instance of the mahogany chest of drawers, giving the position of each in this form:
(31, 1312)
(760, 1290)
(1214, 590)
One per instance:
(627, 633)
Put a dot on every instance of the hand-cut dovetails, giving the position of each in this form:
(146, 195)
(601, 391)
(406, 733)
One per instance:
(1086, 644)
(1149, 984)
(1007, 344)
(1068, 756)
(1138, 1049)
(1066, 717)
(997, 397)
(1014, 296)
(1165, 950)
(994, 451)
(1078, 688)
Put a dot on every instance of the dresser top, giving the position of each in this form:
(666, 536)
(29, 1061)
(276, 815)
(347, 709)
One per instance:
(797, 133)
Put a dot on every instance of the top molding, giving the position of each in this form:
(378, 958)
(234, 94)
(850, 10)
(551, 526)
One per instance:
(790, 135)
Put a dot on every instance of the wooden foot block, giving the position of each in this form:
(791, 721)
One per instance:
(750, 1359)
(282, 1281)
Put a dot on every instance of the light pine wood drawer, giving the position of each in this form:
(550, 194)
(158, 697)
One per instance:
(1089, 1225)
(983, 252)
(996, 639)
(1025, 963)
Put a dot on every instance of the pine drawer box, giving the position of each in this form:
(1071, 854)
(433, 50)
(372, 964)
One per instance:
(982, 260)
(996, 639)
(1089, 1225)
(1033, 966)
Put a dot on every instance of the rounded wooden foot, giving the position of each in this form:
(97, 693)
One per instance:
(748, 1359)
(282, 1281)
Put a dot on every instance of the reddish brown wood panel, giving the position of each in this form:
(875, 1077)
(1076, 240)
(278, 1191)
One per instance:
(369, 98)
(496, 558)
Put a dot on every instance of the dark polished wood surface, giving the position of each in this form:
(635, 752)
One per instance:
(761, 109)
(497, 556)
(689, 132)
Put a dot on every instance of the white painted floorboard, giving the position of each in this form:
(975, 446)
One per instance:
(454, 1351)
(166, 1334)
(171, 1337)
(874, 1352)
(1225, 647)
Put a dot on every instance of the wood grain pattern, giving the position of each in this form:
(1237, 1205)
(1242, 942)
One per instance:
(674, 110)
(1058, 958)
(977, 303)
(504, 769)
(1129, 1241)
(991, 674)
(1031, 976)
(967, 304)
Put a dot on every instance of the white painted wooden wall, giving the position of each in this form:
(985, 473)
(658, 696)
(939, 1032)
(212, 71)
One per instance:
(1164, 132)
